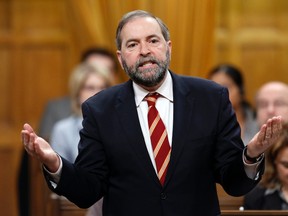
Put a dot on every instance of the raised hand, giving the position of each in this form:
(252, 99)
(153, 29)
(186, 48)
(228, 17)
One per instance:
(38, 148)
(266, 137)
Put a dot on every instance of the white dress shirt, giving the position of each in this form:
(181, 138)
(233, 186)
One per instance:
(164, 106)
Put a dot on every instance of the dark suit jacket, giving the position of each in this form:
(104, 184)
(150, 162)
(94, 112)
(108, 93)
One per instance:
(55, 110)
(113, 160)
(258, 200)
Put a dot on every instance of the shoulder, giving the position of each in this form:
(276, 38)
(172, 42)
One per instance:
(63, 101)
(196, 83)
(110, 97)
(66, 123)
(200, 89)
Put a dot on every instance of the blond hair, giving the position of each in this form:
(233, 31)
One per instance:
(78, 78)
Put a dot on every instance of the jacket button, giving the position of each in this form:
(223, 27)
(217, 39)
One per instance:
(163, 196)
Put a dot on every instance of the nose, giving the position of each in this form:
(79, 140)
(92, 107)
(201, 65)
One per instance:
(144, 49)
(271, 109)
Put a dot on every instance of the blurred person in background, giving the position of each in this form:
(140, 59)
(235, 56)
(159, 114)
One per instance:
(272, 191)
(60, 108)
(272, 99)
(231, 77)
(55, 110)
(85, 81)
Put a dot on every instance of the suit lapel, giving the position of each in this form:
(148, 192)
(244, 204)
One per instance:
(183, 109)
(127, 112)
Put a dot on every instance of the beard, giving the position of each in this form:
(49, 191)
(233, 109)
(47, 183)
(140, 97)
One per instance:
(151, 76)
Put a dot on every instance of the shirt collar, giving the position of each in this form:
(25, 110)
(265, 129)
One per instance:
(166, 90)
(269, 191)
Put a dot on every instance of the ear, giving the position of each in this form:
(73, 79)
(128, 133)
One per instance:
(169, 43)
(118, 53)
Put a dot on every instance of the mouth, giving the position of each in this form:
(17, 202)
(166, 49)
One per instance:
(147, 64)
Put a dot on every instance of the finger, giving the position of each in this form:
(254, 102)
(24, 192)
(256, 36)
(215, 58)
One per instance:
(277, 127)
(261, 135)
(268, 131)
(28, 128)
(23, 137)
(29, 143)
(279, 123)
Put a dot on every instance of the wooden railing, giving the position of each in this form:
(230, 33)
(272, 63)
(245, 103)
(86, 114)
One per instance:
(253, 213)
(229, 207)
(63, 207)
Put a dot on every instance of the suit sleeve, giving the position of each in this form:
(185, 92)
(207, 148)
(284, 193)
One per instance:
(229, 166)
(85, 182)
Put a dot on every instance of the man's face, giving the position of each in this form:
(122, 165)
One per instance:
(105, 62)
(272, 100)
(144, 54)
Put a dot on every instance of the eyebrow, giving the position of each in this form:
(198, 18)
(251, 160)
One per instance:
(148, 37)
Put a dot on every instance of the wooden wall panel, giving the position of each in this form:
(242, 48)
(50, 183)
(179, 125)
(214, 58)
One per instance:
(264, 65)
(5, 62)
(39, 16)
(4, 17)
(9, 163)
(253, 35)
(45, 75)
(36, 55)
(7, 181)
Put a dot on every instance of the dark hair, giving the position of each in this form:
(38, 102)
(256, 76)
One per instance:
(99, 51)
(231, 71)
(139, 13)
(235, 74)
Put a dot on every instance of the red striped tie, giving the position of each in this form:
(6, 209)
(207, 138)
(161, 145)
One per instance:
(159, 138)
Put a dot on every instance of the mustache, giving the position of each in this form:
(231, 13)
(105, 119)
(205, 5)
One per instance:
(144, 60)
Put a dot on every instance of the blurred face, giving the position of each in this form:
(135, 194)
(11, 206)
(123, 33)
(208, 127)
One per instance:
(93, 84)
(144, 54)
(282, 166)
(272, 100)
(104, 61)
(234, 92)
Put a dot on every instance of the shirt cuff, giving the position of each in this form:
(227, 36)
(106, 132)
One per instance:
(55, 177)
(252, 170)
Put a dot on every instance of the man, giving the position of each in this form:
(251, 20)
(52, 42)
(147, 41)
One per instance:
(199, 143)
(272, 100)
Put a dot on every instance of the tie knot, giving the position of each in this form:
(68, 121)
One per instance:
(151, 98)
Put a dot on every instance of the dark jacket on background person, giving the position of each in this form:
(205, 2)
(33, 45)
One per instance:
(261, 198)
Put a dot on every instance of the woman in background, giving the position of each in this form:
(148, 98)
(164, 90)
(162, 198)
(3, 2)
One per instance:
(85, 81)
(231, 77)
(272, 192)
